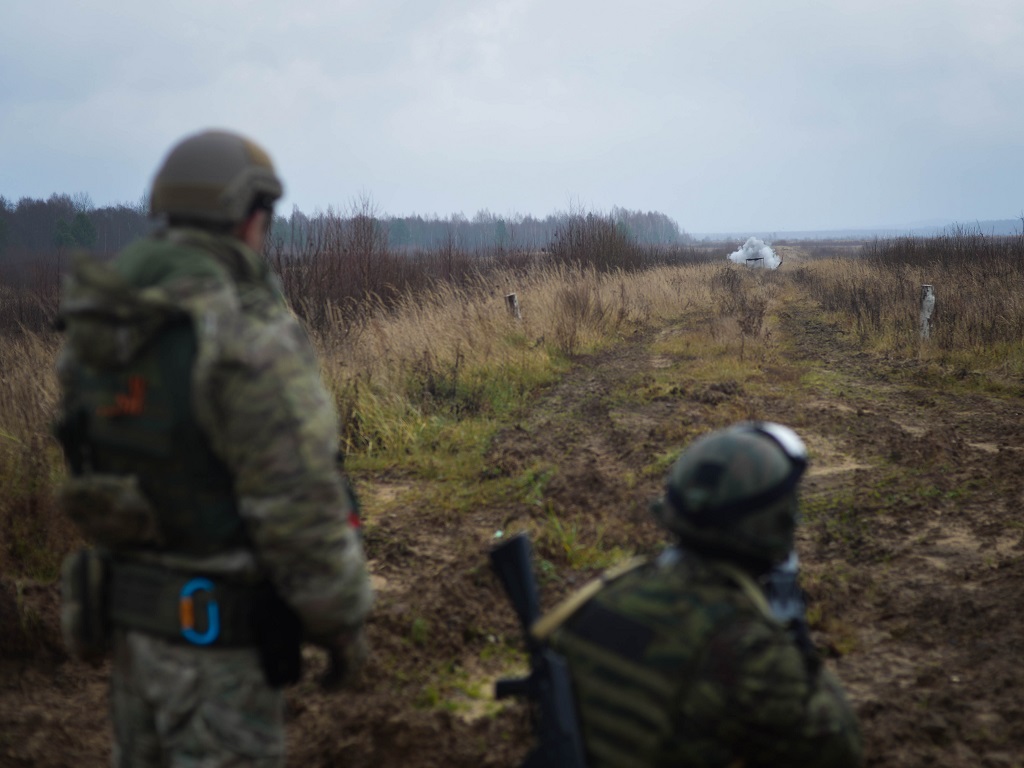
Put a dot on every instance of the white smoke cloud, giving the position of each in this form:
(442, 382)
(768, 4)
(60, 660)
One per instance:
(755, 253)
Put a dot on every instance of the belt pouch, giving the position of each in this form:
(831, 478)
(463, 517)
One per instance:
(111, 510)
(278, 632)
(83, 612)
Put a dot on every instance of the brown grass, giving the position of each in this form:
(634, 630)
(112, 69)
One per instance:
(393, 370)
(402, 372)
(32, 535)
(346, 268)
(978, 321)
(415, 367)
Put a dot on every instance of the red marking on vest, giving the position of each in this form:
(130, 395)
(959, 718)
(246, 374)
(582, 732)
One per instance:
(353, 519)
(130, 404)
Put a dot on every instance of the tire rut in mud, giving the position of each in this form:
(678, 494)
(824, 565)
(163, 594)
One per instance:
(912, 553)
(920, 563)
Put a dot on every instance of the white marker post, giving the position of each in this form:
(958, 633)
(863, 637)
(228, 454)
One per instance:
(927, 307)
(512, 303)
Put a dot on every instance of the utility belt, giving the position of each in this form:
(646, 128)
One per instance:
(101, 593)
(183, 607)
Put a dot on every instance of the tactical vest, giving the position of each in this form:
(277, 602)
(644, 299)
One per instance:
(626, 678)
(137, 420)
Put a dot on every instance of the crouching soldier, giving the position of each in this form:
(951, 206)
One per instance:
(201, 446)
(683, 660)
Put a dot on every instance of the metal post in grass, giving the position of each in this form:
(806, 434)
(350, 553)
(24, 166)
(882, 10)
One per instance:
(512, 303)
(927, 307)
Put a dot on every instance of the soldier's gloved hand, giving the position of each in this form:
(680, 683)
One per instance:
(346, 654)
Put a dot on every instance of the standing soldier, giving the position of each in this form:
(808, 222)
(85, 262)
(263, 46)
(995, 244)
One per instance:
(201, 444)
(683, 661)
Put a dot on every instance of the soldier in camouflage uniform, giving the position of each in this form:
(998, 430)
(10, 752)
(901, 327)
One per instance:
(202, 451)
(680, 661)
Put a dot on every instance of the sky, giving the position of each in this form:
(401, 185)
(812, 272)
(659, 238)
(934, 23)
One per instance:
(727, 115)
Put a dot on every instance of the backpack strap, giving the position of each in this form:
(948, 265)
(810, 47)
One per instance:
(553, 619)
(750, 588)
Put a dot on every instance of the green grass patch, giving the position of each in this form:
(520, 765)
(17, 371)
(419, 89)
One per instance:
(31, 527)
(580, 548)
(532, 484)
(419, 631)
(454, 389)
(453, 688)
(680, 345)
(825, 381)
(995, 370)
(662, 462)
(688, 362)
(30, 548)
(442, 409)
(508, 654)
(717, 363)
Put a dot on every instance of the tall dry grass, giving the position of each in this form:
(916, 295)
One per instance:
(32, 535)
(347, 267)
(977, 326)
(407, 375)
(455, 350)
(31, 306)
(411, 368)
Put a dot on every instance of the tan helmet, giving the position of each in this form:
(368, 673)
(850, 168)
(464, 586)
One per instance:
(215, 178)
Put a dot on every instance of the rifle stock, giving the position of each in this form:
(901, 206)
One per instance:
(512, 564)
(549, 685)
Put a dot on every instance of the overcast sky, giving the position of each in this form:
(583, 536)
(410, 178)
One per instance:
(727, 115)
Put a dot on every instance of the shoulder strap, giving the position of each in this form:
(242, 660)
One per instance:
(243, 264)
(749, 587)
(553, 619)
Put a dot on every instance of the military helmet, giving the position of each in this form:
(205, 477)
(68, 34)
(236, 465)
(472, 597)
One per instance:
(214, 178)
(732, 493)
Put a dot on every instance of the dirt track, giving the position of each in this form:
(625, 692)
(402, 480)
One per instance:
(912, 550)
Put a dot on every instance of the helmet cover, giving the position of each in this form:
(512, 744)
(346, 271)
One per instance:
(734, 492)
(214, 177)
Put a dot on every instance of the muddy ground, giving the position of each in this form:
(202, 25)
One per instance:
(912, 550)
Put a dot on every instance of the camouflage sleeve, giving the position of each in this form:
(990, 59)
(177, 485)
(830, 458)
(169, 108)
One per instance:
(261, 399)
(779, 709)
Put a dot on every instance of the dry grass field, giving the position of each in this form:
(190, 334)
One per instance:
(462, 424)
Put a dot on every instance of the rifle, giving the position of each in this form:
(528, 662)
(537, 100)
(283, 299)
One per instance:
(548, 686)
(788, 604)
(782, 588)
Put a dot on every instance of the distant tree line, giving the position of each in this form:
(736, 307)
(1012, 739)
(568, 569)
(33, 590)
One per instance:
(334, 266)
(33, 226)
(37, 226)
(484, 231)
(357, 253)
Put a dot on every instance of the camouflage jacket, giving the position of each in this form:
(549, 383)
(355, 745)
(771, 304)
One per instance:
(257, 395)
(674, 664)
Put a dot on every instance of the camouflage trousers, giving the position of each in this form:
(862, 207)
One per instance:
(177, 706)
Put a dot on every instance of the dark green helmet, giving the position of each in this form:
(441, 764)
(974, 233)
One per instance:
(214, 178)
(732, 493)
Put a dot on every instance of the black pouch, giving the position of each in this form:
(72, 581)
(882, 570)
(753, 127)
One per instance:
(110, 510)
(278, 633)
(84, 618)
